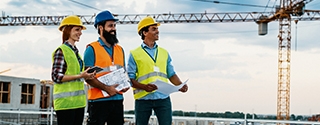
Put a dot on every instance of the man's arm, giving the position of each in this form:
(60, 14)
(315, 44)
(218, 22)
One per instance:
(176, 81)
(147, 87)
(173, 77)
(132, 69)
(111, 90)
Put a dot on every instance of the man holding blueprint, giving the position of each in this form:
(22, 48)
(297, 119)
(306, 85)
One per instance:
(105, 92)
(147, 64)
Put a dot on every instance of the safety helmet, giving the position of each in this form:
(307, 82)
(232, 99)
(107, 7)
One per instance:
(104, 16)
(147, 21)
(71, 20)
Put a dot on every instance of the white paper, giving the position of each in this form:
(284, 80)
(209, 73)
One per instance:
(166, 88)
(118, 76)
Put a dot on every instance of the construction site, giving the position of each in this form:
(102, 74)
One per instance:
(265, 73)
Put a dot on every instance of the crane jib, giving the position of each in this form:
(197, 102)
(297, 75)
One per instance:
(162, 18)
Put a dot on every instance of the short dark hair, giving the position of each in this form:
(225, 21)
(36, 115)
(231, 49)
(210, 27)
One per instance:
(102, 23)
(145, 29)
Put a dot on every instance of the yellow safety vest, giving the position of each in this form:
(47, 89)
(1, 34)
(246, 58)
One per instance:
(69, 95)
(145, 68)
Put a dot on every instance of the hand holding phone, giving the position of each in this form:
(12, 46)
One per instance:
(95, 68)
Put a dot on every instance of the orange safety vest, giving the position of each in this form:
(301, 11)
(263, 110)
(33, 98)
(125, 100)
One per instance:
(103, 59)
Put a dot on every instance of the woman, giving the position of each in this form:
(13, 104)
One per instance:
(68, 74)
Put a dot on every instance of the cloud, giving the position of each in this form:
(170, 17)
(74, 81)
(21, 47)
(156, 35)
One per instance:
(4, 3)
(25, 70)
(22, 46)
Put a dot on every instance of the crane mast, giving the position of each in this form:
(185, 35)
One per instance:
(284, 54)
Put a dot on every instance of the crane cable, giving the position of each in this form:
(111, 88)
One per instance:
(266, 6)
(274, 4)
(240, 4)
(85, 5)
(296, 34)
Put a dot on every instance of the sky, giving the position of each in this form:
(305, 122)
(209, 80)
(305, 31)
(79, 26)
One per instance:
(229, 66)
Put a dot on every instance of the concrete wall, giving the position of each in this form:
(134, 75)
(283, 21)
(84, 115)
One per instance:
(15, 92)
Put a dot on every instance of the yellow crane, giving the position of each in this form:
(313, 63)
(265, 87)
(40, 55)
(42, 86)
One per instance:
(285, 13)
(4, 71)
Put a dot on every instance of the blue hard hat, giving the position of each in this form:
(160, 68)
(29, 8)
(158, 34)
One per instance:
(104, 16)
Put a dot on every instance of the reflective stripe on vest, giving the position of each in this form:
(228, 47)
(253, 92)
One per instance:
(69, 95)
(151, 75)
(145, 68)
(107, 69)
(148, 76)
(103, 59)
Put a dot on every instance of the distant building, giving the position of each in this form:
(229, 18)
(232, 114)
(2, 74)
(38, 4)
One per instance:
(24, 94)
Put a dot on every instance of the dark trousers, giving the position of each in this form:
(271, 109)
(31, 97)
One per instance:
(70, 116)
(110, 112)
(161, 107)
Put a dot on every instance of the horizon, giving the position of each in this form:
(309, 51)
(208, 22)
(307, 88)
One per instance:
(229, 66)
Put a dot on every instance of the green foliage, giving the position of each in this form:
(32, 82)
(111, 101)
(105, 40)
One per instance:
(228, 114)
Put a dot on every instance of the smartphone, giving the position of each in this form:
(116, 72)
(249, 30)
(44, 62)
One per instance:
(95, 68)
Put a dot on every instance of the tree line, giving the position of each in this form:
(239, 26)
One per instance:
(229, 114)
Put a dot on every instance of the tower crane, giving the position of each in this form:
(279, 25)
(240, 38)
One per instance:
(285, 13)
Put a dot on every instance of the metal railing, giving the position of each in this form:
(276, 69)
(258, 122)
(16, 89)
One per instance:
(26, 116)
(17, 115)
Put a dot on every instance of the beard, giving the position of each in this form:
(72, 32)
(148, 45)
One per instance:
(110, 38)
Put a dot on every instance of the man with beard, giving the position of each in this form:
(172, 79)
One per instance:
(105, 53)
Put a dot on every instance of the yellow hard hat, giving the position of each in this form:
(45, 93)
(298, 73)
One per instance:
(71, 20)
(147, 21)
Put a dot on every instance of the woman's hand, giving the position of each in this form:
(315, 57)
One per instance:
(86, 75)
